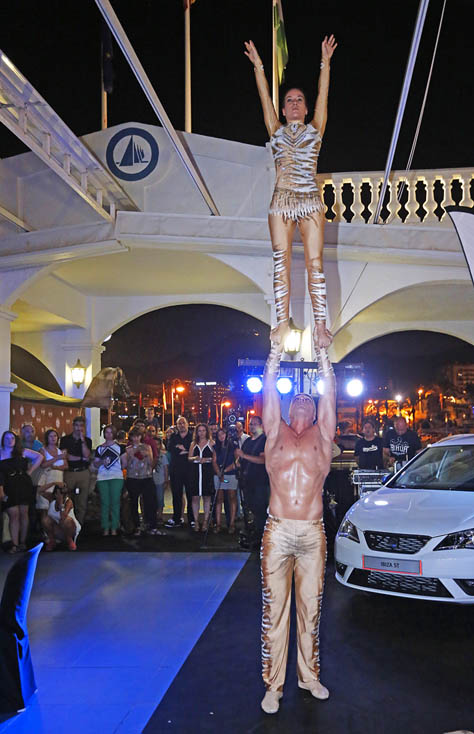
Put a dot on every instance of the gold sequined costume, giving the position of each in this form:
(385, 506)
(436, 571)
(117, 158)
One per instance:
(295, 149)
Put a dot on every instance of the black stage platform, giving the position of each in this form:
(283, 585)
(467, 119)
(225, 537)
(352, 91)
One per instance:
(392, 665)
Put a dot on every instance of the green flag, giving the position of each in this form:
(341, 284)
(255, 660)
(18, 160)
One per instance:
(281, 47)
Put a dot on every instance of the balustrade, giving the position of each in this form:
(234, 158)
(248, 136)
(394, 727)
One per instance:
(412, 197)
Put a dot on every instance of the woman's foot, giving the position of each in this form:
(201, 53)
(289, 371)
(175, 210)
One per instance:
(71, 545)
(321, 335)
(216, 529)
(196, 527)
(13, 550)
(105, 533)
(231, 530)
(113, 532)
(279, 333)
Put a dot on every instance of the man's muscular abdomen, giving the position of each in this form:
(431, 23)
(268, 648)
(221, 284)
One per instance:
(297, 468)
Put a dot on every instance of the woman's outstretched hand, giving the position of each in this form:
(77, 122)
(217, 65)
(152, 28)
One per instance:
(252, 53)
(328, 46)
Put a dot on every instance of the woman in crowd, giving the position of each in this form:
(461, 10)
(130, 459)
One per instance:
(53, 466)
(109, 479)
(160, 478)
(225, 479)
(61, 523)
(16, 488)
(202, 474)
(138, 461)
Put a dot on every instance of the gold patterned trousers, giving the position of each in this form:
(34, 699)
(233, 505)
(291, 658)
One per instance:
(291, 547)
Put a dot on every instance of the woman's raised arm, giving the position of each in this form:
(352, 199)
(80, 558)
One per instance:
(328, 46)
(272, 122)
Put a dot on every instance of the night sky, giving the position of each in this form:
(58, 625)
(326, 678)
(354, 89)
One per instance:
(56, 45)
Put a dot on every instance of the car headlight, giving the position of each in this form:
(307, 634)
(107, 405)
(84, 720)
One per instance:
(455, 541)
(348, 530)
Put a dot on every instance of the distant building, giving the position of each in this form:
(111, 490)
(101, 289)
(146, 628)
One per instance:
(460, 375)
(209, 394)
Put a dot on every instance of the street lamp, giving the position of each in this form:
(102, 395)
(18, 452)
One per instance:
(224, 404)
(293, 340)
(179, 389)
(78, 373)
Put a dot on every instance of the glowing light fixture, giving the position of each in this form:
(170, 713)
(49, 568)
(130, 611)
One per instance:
(354, 387)
(254, 384)
(284, 385)
(399, 398)
(78, 373)
(180, 388)
(293, 340)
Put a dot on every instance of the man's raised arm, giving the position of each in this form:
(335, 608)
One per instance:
(327, 401)
(271, 414)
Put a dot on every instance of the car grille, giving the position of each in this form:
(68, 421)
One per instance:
(394, 543)
(416, 585)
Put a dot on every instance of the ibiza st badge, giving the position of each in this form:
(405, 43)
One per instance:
(132, 154)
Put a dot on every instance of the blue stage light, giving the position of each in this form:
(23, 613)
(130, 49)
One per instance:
(354, 387)
(284, 385)
(254, 384)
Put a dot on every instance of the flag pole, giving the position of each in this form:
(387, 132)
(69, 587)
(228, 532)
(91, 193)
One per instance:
(187, 66)
(103, 93)
(274, 60)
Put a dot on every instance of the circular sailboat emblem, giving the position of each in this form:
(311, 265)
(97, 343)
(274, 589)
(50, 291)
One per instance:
(132, 154)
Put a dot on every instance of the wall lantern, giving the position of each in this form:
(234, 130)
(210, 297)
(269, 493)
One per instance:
(78, 373)
(293, 340)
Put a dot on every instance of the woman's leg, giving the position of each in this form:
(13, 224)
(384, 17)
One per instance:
(219, 500)
(195, 503)
(24, 523)
(207, 506)
(105, 497)
(14, 518)
(160, 501)
(68, 527)
(312, 234)
(115, 494)
(233, 506)
(281, 233)
(48, 525)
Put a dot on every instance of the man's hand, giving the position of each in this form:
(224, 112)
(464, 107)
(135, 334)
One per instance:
(239, 454)
(328, 46)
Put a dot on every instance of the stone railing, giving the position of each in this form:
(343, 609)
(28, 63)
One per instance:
(412, 197)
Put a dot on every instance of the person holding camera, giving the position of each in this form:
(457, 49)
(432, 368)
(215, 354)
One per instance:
(77, 477)
(225, 479)
(254, 478)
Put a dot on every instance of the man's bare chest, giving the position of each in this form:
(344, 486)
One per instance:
(290, 447)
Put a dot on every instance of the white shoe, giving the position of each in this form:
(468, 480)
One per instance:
(271, 702)
(315, 688)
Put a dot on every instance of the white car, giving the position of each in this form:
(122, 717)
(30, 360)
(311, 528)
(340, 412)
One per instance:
(414, 537)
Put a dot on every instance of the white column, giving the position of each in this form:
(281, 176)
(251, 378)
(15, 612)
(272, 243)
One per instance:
(6, 386)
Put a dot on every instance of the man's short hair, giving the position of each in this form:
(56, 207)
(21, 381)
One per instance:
(368, 420)
(78, 419)
(256, 418)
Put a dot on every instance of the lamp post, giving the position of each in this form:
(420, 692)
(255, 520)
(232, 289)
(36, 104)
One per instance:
(224, 404)
(399, 399)
(179, 389)
(249, 412)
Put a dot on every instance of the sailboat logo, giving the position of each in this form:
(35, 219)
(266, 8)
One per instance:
(132, 154)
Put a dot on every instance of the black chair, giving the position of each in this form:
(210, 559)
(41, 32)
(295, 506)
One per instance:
(17, 679)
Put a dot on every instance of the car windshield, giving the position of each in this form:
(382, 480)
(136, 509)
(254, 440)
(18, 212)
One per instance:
(439, 467)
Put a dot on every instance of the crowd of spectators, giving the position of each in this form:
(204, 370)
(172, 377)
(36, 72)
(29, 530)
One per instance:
(46, 487)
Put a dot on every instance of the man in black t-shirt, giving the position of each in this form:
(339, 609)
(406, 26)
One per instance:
(77, 476)
(401, 444)
(369, 449)
(254, 477)
(178, 445)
